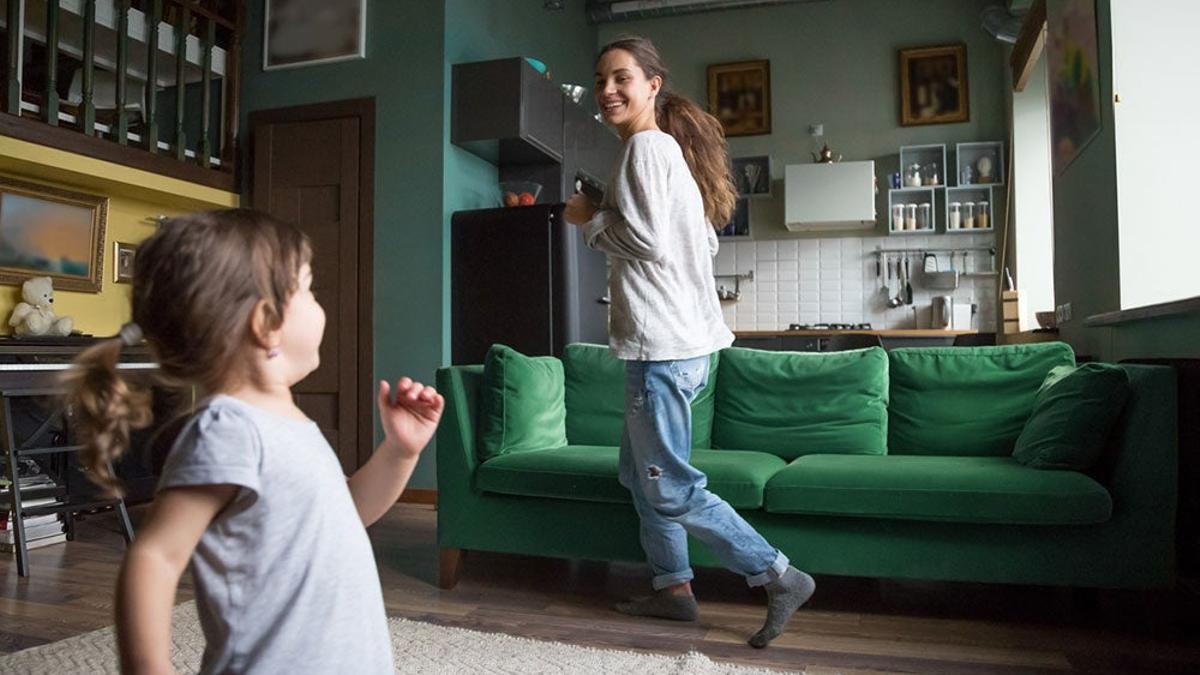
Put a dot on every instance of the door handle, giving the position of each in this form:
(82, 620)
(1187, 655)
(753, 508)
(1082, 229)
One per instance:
(604, 300)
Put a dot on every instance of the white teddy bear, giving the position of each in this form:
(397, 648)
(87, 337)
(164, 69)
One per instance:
(36, 316)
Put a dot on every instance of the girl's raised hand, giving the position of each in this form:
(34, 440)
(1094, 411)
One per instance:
(410, 420)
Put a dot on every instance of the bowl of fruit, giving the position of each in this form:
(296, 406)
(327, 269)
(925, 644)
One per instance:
(519, 192)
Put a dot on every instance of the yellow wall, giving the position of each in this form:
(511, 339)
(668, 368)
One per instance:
(134, 197)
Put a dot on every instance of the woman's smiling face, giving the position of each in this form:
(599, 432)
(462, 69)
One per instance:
(623, 92)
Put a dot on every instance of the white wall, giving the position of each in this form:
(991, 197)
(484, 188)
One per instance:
(1156, 72)
(1032, 228)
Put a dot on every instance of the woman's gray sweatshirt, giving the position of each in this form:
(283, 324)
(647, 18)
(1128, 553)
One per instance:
(660, 246)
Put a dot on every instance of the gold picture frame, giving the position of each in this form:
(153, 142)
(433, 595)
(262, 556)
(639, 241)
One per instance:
(52, 232)
(933, 85)
(123, 255)
(739, 95)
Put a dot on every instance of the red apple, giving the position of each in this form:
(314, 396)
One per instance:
(526, 199)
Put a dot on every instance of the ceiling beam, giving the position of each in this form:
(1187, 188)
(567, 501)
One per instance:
(1030, 43)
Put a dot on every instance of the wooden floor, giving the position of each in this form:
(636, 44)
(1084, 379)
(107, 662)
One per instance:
(851, 625)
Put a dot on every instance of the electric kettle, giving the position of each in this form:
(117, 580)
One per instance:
(942, 312)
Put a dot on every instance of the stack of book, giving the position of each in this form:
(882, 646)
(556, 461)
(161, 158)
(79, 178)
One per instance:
(39, 530)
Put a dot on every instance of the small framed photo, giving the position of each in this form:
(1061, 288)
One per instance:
(739, 95)
(933, 85)
(123, 262)
(752, 176)
(739, 223)
(47, 231)
(309, 32)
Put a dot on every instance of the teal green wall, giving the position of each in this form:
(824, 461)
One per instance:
(420, 179)
(403, 72)
(1086, 252)
(833, 63)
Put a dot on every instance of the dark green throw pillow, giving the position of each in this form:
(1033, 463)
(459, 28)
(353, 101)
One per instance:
(1073, 414)
(596, 397)
(522, 405)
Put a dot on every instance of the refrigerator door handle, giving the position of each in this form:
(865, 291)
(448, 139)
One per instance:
(604, 300)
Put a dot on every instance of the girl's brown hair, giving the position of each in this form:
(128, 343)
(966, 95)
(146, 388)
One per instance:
(698, 133)
(196, 282)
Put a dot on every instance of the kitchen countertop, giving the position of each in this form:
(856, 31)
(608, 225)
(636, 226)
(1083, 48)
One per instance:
(886, 332)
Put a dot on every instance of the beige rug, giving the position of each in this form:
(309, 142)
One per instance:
(418, 648)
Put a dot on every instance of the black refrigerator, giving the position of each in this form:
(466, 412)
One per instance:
(522, 276)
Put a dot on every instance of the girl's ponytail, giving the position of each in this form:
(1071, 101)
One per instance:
(698, 133)
(702, 139)
(105, 407)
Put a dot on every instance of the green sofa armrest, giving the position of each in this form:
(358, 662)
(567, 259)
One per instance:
(1141, 472)
(456, 441)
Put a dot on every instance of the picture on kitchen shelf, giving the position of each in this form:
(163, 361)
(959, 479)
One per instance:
(739, 224)
(308, 32)
(752, 176)
(45, 231)
(933, 85)
(739, 95)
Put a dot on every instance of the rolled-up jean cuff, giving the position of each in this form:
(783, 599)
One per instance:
(666, 580)
(773, 572)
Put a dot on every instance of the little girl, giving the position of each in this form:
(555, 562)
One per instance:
(251, 493)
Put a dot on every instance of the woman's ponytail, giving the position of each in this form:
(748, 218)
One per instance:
(702, 139)
(105, 408)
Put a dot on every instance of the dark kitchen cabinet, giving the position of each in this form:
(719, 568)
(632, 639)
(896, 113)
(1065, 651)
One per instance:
(506, 112)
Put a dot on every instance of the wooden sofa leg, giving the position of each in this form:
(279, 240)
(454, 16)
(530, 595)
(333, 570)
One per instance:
(449, 567)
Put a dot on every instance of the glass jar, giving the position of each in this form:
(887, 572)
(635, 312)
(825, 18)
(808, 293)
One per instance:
(954, 218)
(924, 216)
(968, 215)
(897, 217)
(910, 216)
(932, 175)
(982, 216)
(912, 176)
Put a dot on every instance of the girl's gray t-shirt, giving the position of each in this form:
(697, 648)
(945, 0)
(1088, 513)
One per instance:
(285, 576)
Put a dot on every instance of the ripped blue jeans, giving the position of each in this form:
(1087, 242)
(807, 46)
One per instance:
(670, 495)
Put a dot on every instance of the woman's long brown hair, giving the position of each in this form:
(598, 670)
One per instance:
(196, 282)
(698, 133)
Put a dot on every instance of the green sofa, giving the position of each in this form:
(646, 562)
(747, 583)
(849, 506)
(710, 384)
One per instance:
(864, 463)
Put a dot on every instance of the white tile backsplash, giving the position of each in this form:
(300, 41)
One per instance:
(833, 280)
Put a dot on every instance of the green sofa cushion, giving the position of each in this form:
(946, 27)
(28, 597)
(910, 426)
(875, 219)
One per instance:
(948, 489)
(791, 403)
(966, 400)
(1074, 412)
(521, 406)
(589, 473)
(595, 385)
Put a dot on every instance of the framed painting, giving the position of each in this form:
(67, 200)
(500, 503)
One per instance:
(739, 95)
(1074, 70)
(933, 85)
(308, 32)
(46, 231)
(752, 176)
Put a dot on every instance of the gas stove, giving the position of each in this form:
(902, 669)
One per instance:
(829, 326)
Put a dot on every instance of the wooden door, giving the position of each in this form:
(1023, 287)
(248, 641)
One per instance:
(313, 167)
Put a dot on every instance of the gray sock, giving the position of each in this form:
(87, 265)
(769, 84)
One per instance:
(664, 605)
(785, 595)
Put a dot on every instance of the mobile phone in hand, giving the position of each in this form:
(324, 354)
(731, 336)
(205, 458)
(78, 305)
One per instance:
(589, 186)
